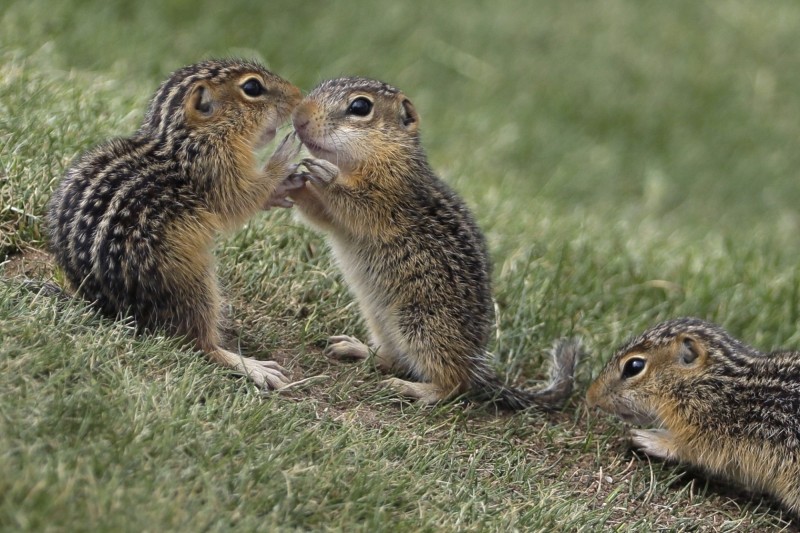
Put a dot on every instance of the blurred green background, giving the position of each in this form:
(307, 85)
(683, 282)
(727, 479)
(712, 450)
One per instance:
(685, 110)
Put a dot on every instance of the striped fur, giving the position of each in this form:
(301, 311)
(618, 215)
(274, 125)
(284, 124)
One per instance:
(132, 223)
(719, 404)
(409, 248)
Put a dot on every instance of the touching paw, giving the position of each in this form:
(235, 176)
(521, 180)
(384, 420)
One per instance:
(280, 161)
(288, 149)
(346, 347)
(320, 171)
(279, 198)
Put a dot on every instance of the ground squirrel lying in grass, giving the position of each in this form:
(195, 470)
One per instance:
(408, 246)
(715, 403)
(133, 222)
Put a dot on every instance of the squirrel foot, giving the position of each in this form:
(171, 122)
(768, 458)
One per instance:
(346, 347)
(265, 374)
(320, 171)
(427, 393)
(655, 442)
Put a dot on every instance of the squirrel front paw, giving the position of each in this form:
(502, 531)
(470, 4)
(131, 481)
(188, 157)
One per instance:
(655, 443)
(279, 163)
(293, 182)
(320, 171)
(266, 374)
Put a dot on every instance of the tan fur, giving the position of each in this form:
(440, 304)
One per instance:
(407, 245)
(713, 403)
(134, 221)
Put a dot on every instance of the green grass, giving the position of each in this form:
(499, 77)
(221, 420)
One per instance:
(628, 161)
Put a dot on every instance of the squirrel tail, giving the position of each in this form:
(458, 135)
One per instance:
(565, 355)
(45, 288)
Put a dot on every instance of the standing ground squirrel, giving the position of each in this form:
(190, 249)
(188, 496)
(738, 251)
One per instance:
(718, 404)
(408, 247)
(133, 222)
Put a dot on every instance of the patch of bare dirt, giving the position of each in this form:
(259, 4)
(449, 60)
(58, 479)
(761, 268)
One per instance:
(30, 263)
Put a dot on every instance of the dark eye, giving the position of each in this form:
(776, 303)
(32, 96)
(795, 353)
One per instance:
(253, 87)
(633, 366)
(360, 106)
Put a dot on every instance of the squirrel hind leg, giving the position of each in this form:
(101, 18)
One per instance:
(265, 374)
(197, 315)
(345, 347)
(427, 393)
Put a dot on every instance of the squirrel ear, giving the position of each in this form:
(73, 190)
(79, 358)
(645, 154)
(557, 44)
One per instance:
(688, 350)
(409, 114)
(201, 100)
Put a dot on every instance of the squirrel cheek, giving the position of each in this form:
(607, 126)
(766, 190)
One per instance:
(599, 394)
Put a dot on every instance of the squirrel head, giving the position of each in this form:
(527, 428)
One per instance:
(358, 123)
(672, 364)
(220, 103)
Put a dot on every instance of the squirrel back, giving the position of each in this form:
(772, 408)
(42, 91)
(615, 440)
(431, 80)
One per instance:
(407, 244)
(132, 223)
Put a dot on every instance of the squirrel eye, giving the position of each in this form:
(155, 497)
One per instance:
(633, 366)
(253, 87)
(360, 107)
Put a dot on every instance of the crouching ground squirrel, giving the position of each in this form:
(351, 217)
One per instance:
(715, 403)
(132, 223)
(408, 247)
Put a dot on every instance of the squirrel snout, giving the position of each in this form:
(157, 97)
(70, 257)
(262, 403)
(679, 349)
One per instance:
(303, 115)
(300, 121)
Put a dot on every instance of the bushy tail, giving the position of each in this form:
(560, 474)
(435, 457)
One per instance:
(565, 355)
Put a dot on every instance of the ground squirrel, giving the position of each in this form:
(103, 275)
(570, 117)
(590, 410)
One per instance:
(408, 246)
(132, 223)
(716, 403)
